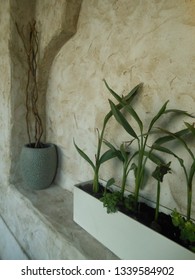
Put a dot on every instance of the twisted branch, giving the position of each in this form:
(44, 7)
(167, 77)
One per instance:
(32, 93)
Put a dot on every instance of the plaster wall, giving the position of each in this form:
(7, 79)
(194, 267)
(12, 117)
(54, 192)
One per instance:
(125, 42)
(5, 73)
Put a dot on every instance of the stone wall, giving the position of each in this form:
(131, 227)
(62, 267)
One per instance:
(5, 108)
(125, 42)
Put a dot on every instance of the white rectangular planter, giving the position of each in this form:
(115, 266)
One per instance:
(125, 237)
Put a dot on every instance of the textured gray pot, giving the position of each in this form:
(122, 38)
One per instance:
(38, 166)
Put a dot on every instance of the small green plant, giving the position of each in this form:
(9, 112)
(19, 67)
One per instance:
(187, 229)
(185, 225)
(124, 155)
(101, 158)
(111, 201)
(188, 172)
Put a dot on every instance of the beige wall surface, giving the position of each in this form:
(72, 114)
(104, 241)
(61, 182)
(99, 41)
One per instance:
(126, 42)
(5, 74)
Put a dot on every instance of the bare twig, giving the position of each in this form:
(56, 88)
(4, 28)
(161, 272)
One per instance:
(31, 48)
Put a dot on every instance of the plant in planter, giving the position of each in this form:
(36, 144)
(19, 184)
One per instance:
(101, 158)
(143, 152)
(187, 229)
(38, 160)
(185, 224)
(112, 199)
(159, 174)
(91, 218)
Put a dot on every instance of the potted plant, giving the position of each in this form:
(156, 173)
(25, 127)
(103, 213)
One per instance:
(125, 236)
(185, 224)
(38, 160)
(101, 158)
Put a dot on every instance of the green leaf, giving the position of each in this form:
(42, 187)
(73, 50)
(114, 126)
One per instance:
(107, 156)
(121, 119)
(154, 158)
(166, 150)
(117, 152)
(122, 100)
(168, 138)
(110, 182)
(128, 98)
(83, 155)
(176, 136)
(133, 113)
(179, 112)
(158, 115)
(124, 153)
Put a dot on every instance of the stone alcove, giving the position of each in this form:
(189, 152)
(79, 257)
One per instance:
(54, 30)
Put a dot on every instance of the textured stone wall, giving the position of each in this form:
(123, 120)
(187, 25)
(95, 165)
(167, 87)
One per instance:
(5, 73)
(125, 42)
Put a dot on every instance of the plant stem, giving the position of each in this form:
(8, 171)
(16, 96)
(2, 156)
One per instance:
(96, 180)
(124, 179)
(157, 202)
(189, 202)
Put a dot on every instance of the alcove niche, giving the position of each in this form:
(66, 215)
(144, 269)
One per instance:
(38, 225)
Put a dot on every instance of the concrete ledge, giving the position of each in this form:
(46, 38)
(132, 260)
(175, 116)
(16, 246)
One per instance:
(42, 223)
(9, 247)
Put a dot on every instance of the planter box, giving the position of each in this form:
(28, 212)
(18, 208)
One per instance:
(124, 236)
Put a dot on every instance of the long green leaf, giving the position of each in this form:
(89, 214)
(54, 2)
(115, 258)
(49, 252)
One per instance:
(121, 119)
(154, 158)
(166, 150)
(179, 112)
(167, 138)
(133, 113)
(117, 152)
(158, 115)
(110, 182)
(107, 156)
(128, 98)
(180, 139)
(122, 100)
(83, 155)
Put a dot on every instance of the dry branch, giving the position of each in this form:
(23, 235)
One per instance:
(31, 47)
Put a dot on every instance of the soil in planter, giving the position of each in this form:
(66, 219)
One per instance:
(144, 215)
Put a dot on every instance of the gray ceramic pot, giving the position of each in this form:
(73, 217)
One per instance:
(38, 166)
